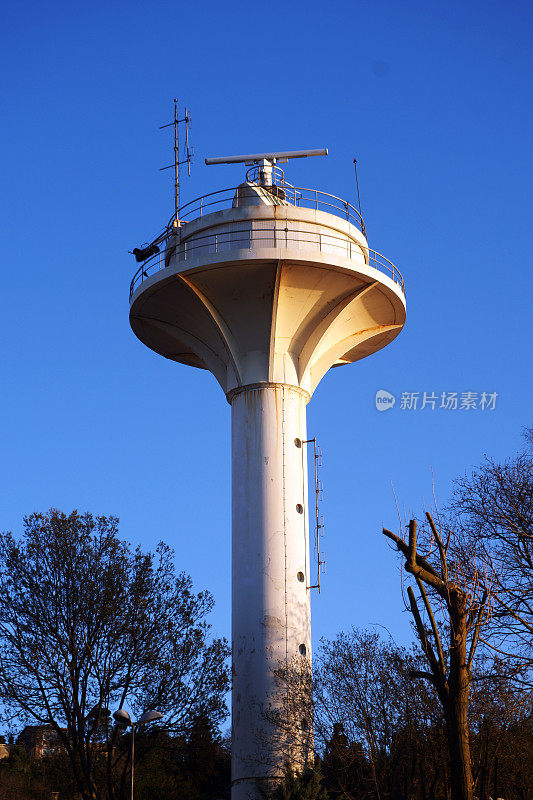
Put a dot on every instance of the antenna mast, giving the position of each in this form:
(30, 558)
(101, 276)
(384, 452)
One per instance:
(176, 162)
(358, 197)
(188, 156)
(319, 521)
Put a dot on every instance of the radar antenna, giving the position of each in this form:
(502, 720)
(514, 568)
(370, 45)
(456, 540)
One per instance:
(266, 161)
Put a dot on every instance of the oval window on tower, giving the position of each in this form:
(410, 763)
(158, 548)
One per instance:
(301, 577)
(299, 508)
(298, 442)
(303, 650)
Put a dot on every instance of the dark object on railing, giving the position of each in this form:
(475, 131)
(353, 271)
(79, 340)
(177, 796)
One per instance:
(141, 254)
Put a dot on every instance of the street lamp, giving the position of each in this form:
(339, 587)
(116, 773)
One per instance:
(123, 718)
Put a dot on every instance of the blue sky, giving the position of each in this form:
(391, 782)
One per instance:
(435, 102)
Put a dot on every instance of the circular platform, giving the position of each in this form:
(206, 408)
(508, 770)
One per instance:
(268, 293)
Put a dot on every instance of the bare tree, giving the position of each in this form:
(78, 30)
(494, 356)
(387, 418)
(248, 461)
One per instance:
(356, 682)
(377, 735)
(370, 720)
(456, 605)
(500, 717)
(87, 624)
(381, 735)
(494, 503)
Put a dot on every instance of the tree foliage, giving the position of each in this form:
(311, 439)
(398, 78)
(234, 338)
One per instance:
(89, 624)
(380, 735)
(494, 504)
(372, 723)
(306, 784)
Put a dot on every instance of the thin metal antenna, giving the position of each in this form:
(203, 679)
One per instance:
(187, 142)
(358, 197)
(177, 161)
(319, 521)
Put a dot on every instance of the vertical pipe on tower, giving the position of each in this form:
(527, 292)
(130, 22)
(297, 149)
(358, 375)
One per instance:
(271, 614)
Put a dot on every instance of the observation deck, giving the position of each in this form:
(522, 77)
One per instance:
(181, 243)
(266, 264)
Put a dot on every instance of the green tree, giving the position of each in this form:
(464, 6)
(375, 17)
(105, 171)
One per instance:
(345, 766)
(304, 785)
(192, 767)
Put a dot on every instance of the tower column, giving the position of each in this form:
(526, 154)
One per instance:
(271, 616)
(267, 293)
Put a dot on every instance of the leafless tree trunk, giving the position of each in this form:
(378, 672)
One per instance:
(462, 609)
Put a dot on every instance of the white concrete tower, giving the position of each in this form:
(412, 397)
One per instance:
(267, 286)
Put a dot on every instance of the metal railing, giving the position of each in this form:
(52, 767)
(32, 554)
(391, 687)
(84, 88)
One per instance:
(307, 198)
(247, 239)
(255, 174)
(297, 196)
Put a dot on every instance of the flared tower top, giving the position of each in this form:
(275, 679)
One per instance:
(266, 283)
